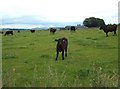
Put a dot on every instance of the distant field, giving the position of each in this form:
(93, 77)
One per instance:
(28, 59)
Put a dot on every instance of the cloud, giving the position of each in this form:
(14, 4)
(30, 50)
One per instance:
(32, 22)
(57, 11)
(21, 20)
(29, 20)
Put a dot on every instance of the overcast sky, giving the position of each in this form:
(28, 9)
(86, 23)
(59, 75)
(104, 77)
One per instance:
(48, 13)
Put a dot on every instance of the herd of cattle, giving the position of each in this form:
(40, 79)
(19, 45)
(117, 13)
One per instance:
(105, 28)
(62, 43)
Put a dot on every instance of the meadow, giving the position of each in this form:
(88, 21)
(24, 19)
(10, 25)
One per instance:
(28, 59)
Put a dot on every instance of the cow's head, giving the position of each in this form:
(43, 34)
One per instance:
(103, 27)
(60, 41)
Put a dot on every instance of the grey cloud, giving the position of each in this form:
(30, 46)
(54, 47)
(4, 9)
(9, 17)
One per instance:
(34, 21)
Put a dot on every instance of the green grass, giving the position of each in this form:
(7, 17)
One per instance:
(28, 59)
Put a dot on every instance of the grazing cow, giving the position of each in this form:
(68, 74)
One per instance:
(109, 28)
(8, 32)
(52, 30)
(72, 28)
(32, 31)
(62, 44)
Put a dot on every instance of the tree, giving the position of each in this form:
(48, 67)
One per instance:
(93, 22)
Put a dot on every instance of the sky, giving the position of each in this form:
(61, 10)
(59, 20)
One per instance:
(52, 13)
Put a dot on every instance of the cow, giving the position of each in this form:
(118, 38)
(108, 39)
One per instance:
(52, 30)
(18, 31)
(8, 32)
(62, 44)
(109, 28)
(67, 27)
(72, 28)
(1, 32)
(32, 31)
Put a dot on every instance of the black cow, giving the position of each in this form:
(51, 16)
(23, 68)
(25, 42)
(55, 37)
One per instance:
(18, 31)
(1, 32)
(8, 32)
(62, 44)
(109, 28)
(32, 31)
(52, 30)
(72, 28)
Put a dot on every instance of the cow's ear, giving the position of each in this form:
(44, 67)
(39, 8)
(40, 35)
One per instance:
(56, 39)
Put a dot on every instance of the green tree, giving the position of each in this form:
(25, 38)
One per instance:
(93, 22)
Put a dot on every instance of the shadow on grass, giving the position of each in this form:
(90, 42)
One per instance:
(81, 74)
(16, 47)
(9, 57)
(45, 56)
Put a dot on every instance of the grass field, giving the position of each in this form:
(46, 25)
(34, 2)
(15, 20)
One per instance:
(28, 59)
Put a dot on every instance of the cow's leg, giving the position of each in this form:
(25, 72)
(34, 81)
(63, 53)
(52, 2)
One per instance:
(57, 55)
(5, 34)
(11, 33)
(63, 55)
(115, 33)
(106, 34)
(66, 52)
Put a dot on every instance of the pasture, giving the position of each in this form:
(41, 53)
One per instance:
(28, 59)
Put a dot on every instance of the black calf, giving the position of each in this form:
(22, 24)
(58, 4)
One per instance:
(62, 44)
